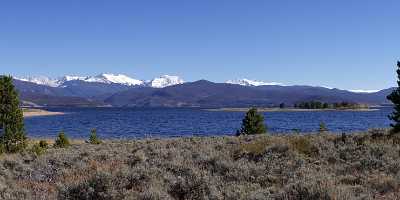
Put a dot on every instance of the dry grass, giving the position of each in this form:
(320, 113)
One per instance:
(320, 166)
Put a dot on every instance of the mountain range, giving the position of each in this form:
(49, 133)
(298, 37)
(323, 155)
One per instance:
(172, 91)
(159, 82)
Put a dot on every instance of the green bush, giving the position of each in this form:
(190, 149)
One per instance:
(93, 139)
(2, 149)
(37, 149)
(253, 123)
(322, 127)
(62, 141)
(43, 144)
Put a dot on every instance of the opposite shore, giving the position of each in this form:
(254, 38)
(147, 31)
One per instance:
(34, 112)
(289, 109)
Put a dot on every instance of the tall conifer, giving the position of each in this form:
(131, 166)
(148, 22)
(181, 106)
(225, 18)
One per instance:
(394, 97)
(13, 135)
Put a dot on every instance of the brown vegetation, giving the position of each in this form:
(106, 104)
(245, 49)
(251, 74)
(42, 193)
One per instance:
(317, 166)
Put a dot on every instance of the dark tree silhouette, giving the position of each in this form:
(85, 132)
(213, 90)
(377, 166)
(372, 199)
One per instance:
(394, 97)
(253, 123)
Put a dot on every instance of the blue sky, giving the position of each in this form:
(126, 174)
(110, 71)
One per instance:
(350, 44)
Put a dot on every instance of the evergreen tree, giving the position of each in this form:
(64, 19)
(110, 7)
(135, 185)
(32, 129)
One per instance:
(62, 141)
(322, 127)
(312, 105)
(318, 105)
(13, 135)
(394, 97)
(253, 123)
(93, 139)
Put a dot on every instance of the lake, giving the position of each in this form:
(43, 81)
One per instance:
(171, 122)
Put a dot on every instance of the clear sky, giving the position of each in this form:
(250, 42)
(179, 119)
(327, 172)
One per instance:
(349, 44)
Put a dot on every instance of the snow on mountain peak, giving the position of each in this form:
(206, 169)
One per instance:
(165, 81)
(102, 78)
(73, 78)
(364, 91)
(248, 82)
(40, 80)
(160, 82)
(117, 79)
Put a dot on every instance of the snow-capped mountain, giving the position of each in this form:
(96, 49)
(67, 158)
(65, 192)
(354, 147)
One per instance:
(248, 82)
(254, 83)
(165, 81)
(364, 91)
(101, 78)
(72, 78)
(41, 80)
(160, 82)
(112, 78)
(120, 90)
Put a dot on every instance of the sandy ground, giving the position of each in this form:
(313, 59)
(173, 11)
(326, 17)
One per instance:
(38, 112)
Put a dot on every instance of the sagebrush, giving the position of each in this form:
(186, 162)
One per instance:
(316, 166)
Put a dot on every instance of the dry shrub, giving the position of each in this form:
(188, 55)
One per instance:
(253, 150)
(384, 184)
(303, 145)
(350, 180)
(396, 139)
(248, 167)
(188, 187)
(106, 185)
(301, 191)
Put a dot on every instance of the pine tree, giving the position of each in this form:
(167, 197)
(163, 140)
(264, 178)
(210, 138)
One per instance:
(322, 127)
(13, 135)
(253, 123)
(394, 97)
(62, 141)
(93, 139)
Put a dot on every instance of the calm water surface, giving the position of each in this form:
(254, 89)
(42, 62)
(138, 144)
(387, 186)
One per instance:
(162, 122)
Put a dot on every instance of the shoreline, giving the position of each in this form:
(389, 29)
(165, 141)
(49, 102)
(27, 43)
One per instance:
(82, 139)
(288, 110)
(30, 112)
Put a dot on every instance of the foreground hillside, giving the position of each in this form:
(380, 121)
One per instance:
(361, 166)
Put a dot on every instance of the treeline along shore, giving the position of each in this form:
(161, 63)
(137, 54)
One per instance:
(289, 109)
(306, 106)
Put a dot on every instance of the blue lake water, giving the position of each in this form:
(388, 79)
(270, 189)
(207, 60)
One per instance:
(165, 122)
